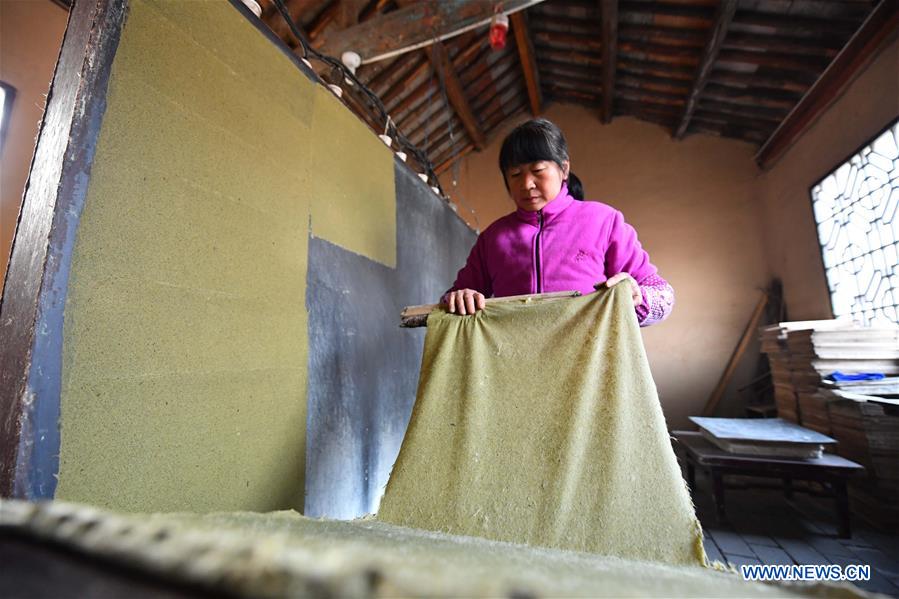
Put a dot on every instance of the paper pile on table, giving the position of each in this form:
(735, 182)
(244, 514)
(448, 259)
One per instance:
(802, 354)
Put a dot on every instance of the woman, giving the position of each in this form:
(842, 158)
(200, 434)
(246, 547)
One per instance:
(553, 242)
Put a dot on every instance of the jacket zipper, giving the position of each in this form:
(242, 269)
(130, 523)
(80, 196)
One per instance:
(537, 250)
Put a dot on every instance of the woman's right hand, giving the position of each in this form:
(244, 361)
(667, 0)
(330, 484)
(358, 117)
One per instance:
(465, 301)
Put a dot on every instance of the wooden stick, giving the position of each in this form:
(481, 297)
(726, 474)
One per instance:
(417, 316)
(718, 393)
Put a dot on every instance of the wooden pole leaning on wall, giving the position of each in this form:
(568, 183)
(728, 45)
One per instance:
(417, 316)
(712, 404)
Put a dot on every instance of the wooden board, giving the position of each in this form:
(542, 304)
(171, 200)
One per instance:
(761, 430)
(417, 316)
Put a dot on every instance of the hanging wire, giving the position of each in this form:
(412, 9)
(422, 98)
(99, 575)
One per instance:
(430, 102)
(374, 102)
(454, 150)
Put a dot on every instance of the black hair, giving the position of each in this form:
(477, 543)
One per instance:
(534, 140)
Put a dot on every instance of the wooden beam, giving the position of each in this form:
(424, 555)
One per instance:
(558, 91)
(379, 72)
(753, 136)
(609, 18)
(796, 24)
(443, 145)
(683, 85)
(651, 50)
(412, 99)
(635, 85)
(655, 120)
(31, 312)
(653, 84)
(431, 120)
(670, 112)
(573, 41)
(744, 80)
(475, 63)
(494, 92)
(544, 23)
(348, 12)
(419, 23)
(321, 21)
(446, 164)
(528, 61)
(498, 73)
(775, 60)
(372, 9)
(757, 112)
(577, 82)
(418, 68)
(879, 29)
(451, 127)
(723, 18)
(570, 57)
(507, 111)
(660, 69)
(417, 316)
(271, 16)
(651, 98)
(748, 334)
(488, 109)
(668, 10)
(750, 97)
(548, 68)
(748, 121)
(495, 111)
(456, 93)
(488, 102)
(660, 34)
(790, 45)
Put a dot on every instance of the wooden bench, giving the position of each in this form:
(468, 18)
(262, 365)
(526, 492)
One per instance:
(832, 471)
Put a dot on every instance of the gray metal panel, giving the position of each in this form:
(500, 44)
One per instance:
(363, 368)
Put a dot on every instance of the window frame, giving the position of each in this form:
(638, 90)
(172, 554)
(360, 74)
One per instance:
(894, 121)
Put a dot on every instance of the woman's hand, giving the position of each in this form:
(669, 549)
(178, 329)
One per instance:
(636, 294)
(465, 301)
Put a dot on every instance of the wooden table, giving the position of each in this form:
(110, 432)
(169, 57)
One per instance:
(832, 471)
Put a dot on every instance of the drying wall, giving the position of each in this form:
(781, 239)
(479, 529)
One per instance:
(239, 257)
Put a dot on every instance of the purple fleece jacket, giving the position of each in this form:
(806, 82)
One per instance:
(569, 245)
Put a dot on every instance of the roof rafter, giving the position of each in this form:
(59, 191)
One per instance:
(881, 26)
(528, 61)
(724, 15)
(456, 93)
(419, 23)
(609, 19)
(273, 18)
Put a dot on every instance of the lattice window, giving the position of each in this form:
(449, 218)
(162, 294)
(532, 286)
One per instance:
(857, 212)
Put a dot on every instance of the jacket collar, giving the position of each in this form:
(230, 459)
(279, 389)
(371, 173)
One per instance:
(559, 203)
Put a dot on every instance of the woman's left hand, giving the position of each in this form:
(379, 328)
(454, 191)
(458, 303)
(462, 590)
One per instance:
(636, 294)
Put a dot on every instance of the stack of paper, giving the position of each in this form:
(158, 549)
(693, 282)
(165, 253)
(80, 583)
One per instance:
(867, 429)
(769, 437)
(802, 354)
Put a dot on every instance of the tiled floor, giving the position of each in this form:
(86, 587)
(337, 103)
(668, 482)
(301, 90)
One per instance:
(766, 528)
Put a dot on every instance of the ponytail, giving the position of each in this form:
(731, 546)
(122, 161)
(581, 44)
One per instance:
(575, 187)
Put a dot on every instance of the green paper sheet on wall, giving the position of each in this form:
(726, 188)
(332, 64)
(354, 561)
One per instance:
(539, 423)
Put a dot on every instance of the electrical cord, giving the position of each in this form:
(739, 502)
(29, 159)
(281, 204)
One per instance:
(374, 102)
